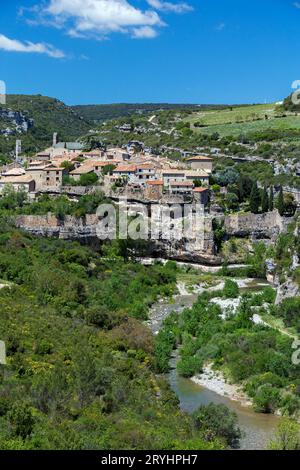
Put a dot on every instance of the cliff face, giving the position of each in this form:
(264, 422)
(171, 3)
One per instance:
(49, 225)
(256, 226)
(14, 122)
(198, 247)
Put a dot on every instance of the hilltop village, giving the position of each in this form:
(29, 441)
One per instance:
(66, 165)
(63, 276)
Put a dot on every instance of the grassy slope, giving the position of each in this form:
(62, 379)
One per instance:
(243, 120)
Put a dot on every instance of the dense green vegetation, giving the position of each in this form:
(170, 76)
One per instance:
(16, 203)
(266, 131)
(217, 420)
(49, 115)
(287, 436)
(104, 112)
(80, 364)
(255, 356)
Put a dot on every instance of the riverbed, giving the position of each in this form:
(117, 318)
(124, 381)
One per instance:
(258, 429)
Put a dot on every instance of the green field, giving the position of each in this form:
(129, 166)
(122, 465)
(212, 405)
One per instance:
(243, 120)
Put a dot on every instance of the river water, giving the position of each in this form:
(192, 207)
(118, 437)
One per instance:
(257, 428)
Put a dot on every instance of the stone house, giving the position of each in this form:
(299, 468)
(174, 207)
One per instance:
(53, 176)
(172, 175)
(117, 154)
(22, 182)
(200, 163)
(154, 190)
(145, 172)
(181, 187)
(36, 171)
(200, 176)
(201, 195)
(126, 171)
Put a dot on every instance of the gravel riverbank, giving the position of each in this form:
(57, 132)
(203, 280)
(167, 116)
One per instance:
(215, 381)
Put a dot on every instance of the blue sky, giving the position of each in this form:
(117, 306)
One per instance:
(191, 51)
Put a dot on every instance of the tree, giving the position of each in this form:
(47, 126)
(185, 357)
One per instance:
(69, 166)
(12, 199)
(271, 199)
(255, 199)
(219, 233)
(21, 419)
(108, 169)
(218, 420)
(227, 176)
(265, 200)
(231, 201)
(266, 399)
(290, 206)
(88, 179)
(280, 202)
(287, 436)
(244, 184)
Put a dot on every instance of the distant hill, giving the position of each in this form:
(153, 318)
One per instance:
(34, 119)
(104, 112)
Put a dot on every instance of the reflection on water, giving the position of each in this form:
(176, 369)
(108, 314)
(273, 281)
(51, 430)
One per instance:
(258, 428)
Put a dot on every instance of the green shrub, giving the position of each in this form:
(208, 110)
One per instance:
(218, 420)
(267, 399)
(189, 366)
(231, 289)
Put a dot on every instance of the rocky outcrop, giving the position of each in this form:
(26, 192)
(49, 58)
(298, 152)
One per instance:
(197, 248)
(256, 226)
(15, 122)
(69, 227)
(287, 290)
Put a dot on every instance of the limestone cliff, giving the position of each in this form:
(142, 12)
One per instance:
(198, 247)
(87, 230)
(256, 226)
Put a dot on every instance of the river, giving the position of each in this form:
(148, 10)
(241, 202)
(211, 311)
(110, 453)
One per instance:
(257, 428)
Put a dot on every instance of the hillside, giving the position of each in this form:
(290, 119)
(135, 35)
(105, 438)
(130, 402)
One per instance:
(33, 119)
(245, 120)
(103, 112)
(264, 135)
(81, 364)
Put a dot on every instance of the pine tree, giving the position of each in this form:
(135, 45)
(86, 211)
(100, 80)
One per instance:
(255, 199)
(265, 200)
(271, 199)
(280, 202)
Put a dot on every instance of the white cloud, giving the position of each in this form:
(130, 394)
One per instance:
(145, 32)
(172, 7)
(99, 18)
(297, 5)
(13, 45)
